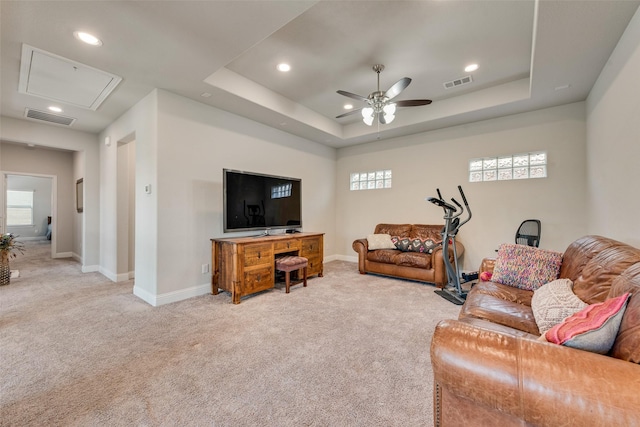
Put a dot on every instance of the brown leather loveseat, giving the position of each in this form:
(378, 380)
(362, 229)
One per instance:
(420, 266)
(492, 369)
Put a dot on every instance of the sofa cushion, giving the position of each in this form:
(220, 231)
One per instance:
(593, 263)
(502, 304)
(425, 232)
(413, 259)
(386, 256)
(627, 344)
(553, 302)
(525, 267)
(593, 329)
(379, 241)
(406, 244)
(393, 229)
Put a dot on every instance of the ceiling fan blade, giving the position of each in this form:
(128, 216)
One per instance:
(412, 102)
(397, 87)
(348, 113)
(352, 95)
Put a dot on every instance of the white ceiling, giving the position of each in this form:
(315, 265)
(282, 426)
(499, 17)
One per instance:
(525, 50)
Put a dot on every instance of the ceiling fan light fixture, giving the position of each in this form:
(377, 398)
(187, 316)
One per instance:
(367, 116)
(389, 111)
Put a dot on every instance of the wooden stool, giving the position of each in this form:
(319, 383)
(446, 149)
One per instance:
(290, 263)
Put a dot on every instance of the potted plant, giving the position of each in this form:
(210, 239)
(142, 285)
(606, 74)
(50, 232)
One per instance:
(9, 248)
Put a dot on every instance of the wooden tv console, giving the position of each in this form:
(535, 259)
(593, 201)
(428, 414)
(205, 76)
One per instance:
(246, 265)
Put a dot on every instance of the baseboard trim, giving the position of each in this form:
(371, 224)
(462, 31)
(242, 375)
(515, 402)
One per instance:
(108, 274)
(63, 255)
(343, 258)
(169, 297)
(90, 268)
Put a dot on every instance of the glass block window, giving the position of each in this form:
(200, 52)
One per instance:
(504, 168)
(280, 191)
(370, 180)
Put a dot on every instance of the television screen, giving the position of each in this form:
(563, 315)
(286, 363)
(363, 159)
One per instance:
(254, 201)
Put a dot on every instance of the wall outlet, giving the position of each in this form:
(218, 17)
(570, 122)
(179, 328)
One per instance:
(205, 268)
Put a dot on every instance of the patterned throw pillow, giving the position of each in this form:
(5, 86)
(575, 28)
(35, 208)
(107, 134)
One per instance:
(406, 244)
(379, 241)
(554, 302)
(593, 329)
(525, 267)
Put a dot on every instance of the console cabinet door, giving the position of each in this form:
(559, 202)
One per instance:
(312, 249)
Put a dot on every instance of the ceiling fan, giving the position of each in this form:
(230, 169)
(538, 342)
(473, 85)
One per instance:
(379, 103)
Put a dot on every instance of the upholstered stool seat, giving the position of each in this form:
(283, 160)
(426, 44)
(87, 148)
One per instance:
(291, 263)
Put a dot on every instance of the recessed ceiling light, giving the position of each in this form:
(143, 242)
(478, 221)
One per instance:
(471, 67)
(348, 106)
(87, 38)
(563, 87)
(205, 95)
(55, 109)
(284, 67)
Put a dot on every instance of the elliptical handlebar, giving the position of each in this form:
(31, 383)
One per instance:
(442, 203)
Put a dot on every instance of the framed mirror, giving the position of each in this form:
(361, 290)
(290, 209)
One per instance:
(80, 195)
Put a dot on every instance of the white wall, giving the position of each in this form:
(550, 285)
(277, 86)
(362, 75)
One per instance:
(181, 148)
(85, 144)
(439, 159)
(58, 163)
(42, 188)
(613, 142)
(139, 124)
(195, 143)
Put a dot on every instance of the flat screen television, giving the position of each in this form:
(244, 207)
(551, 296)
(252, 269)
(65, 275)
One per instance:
(254, 201)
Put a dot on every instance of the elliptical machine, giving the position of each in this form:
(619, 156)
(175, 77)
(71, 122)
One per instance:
(453, 291)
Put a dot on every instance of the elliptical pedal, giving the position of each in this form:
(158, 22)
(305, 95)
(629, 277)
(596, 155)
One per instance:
(452, 297)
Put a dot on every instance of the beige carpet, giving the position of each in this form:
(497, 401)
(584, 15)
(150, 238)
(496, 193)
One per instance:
(348, 350)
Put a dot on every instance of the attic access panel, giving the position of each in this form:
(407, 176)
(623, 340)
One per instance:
(53, 77)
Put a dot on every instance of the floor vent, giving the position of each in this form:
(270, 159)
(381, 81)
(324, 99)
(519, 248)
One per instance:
(43, 116)
(457, 82)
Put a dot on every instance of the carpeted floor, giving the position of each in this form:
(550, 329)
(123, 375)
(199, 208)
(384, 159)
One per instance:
(348, 350)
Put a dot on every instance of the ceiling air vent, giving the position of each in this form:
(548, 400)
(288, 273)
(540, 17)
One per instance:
(457, 82)
(43, 116)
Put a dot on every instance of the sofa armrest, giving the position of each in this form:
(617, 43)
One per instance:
(437, 262)
(488, 264)
(510, 372)
(361, 246)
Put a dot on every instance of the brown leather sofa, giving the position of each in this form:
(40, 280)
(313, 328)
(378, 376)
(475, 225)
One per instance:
(490, 368)
(423, 267)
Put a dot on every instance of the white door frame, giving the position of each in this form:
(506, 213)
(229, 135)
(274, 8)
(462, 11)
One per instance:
(54, 203)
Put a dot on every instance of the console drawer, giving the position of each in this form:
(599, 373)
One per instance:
(286, 246)
(257, 280)
(258, 254)
(311, 247)
(314, 266)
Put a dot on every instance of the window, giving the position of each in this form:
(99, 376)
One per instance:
(19, 207)
(280, 191)
(370, 180)
(518, 166)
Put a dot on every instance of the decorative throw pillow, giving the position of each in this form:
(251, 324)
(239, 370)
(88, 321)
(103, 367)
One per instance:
(554, 302)
(525, 267)
(379, 241)
(485, 276)
(406, 244)
(593, 329)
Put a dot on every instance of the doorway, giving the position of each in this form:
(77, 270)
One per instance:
(126, 201)
(28, 204)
